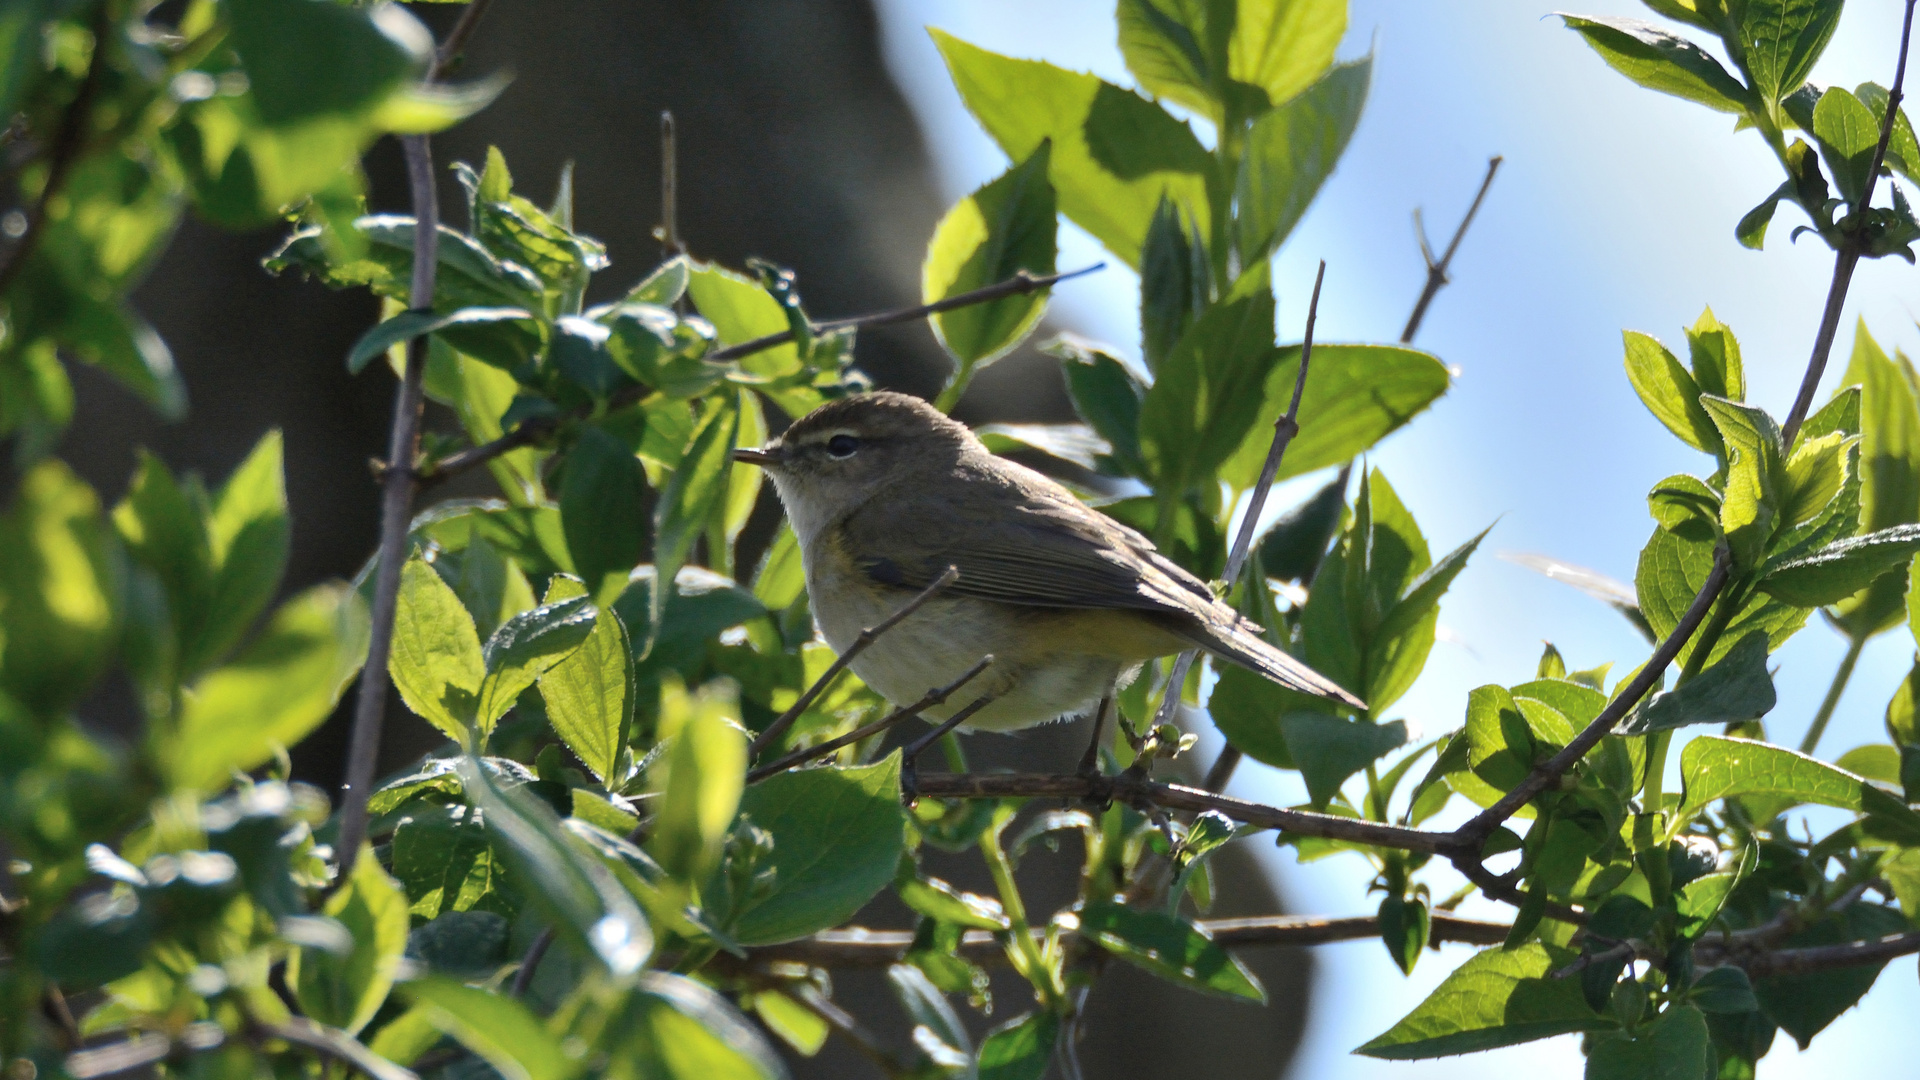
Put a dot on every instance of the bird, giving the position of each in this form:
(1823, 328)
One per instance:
(885, 493)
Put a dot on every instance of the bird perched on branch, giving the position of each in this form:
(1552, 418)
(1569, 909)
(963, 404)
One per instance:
(885, 493)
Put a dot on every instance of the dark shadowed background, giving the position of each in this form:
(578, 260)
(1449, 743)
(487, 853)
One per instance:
(794, 145)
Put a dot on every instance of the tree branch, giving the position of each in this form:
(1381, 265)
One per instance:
(401, 478)
(1437, 271)
(532, 431)
(1139, 791)
(1847, 255)
(933, 697)
(859, 947)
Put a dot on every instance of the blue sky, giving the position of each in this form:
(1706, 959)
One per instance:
(1614, 210)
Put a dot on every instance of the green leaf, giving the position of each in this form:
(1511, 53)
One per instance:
(781, 580)
(1723, 990)
(1170, 948)
(468, 275)
(524, 648)
(741, 310)
(248, 537)
(603, 511)
(1751, 229)
(441, 856)
(437, 665)
(1670, 393)
(1177, 50)
(936, 899)
(306, 60)
(1673, 1047)
(1356, 395)
(1327, 749)
(1803, 1005)
(705, 770)
(60, 616)
(838, 834)
(495, 1027)
(1246, 708)
(588, 698)
(1735, 690)
(674, 1028)
(1105, 394)
(1714, 356)
(1176, 283)
(281, 687)
(797, 1025)
(1782, 39)
(1019, 1049)
(346, 991)
(1289, 153)
(587, 902)
(1399, 647)
(412, 324)
(1716, 768)
(1281, 47)
(1207, 395)
(1847, 134)
(1003, 228)
(1114, 154)
(1499, 997)
(1293, 548)
(1751, 507)
(690, 496)
(928, 1008)
(1500, 742)
(1889, 427)
(1903, 150)
(1843, 568)
(1404, 926)
(1661, 61)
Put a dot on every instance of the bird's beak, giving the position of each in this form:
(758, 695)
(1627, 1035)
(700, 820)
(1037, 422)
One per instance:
(755, 456)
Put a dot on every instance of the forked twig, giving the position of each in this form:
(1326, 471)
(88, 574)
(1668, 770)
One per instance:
(860, 644)
(936, 696)
(1437, 271)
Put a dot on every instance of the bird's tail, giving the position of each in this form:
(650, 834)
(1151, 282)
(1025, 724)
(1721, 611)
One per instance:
(1241, 643)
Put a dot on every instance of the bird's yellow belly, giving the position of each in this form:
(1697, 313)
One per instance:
(1048, 664)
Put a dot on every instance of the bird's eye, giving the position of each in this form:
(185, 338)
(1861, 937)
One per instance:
(842, 446)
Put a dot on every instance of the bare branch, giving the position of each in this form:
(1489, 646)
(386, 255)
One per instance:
(933, 697)
(532, 431)
(860, 644)
(859, 947)
(1437, 271)
(530, 964)
(1848, 254)
(1816, 957)
(1141, 792)
(453, 50)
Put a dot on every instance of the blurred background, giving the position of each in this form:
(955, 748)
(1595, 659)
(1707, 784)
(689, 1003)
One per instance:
(823, 134)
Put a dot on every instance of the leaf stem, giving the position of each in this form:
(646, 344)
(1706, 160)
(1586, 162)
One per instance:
(1019, 938)
(1834, 691)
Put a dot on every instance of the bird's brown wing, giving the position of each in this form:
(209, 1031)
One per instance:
(1022, 539)
(1021, 543)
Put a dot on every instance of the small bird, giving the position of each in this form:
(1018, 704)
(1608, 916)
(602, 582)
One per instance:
(885, 492)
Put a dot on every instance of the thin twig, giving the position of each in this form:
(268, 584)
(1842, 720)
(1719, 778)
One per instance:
(1817, 957)
(847, 1027)
(453, 50)
(1437, 271)
(1141, 792)
(143, 1048)
(859, 947)
(1284, 429)
(669, 231)
(532, 431)
(1848, 253)
(937, 696)
(1481, 826)
(68, 141)
(909, 778)
(335, 1044)
(860, 644)
(530, 964)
